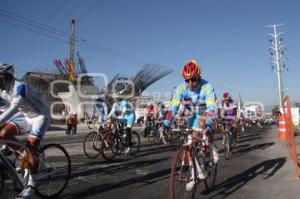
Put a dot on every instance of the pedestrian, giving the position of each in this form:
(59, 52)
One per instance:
(72, 123)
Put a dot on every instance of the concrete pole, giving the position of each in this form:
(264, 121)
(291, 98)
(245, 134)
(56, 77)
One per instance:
(278, 69)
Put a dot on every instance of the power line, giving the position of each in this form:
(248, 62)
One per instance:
(41, 28)
(90, 10)
(30, 29)
(31, 22)
(35, 40)
(83, 43)
(70, 11)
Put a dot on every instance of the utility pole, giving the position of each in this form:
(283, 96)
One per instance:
(72, 47)
(277, 61)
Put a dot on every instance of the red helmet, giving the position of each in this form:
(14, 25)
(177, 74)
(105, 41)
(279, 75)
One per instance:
(226, 96)
(190, 70)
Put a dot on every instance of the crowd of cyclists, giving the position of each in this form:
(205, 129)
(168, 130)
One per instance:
(194, 102)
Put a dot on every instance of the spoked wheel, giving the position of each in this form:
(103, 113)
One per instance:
(182, 174)
(228, 147)
(136, 142)
(168, 136)
(154, 136)
(211, 169)
(54, 171)
(110, 146)
(92, 144)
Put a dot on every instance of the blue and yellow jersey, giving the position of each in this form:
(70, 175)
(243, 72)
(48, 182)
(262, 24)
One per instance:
(203, 98)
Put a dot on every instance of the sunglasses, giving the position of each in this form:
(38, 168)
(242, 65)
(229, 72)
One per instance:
(191, 80)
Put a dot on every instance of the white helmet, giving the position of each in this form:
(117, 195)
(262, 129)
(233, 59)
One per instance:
(7, 69)
(114, 95)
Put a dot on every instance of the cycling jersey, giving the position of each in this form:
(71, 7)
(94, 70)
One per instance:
(151, 112)
(28, 101)
(126, 111)
(162, 113)
(203, 99)
(103, 111)
(228, 112)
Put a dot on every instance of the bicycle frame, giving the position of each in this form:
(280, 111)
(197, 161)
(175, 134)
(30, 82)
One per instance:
(7, 164)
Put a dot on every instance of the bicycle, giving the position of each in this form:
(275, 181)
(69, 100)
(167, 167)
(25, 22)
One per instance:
(92, 142)
(115, 142)
(230, 142)
(155, 132)
(93, 124)
(53, 175)
(187, 162)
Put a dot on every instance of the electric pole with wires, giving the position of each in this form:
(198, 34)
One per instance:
(72, 43)
(277, 60)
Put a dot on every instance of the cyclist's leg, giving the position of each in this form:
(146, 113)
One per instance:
(235, 130)
(15, 126)
(9, 131)
(211, 145)
(197, 133)
(39, 126)
(100, 121)
(223, 133)
(129, 122)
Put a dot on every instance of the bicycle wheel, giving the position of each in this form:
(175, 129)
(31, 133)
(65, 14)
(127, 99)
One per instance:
(54, 171)
(211, 169)
(228, 146)
(109, 146)
(92, 144)
(182, 173)
(136, 142)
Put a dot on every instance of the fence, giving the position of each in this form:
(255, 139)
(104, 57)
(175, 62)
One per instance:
(290, 134)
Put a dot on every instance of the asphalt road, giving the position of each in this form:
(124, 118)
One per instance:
(256, 170)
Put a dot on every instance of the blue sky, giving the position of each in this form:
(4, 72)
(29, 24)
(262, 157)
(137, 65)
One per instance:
(227, 37)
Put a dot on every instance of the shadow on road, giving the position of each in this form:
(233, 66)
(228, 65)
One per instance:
(96, 168)
(154, 151)
(267, 168)
(255, 147)
(100, 188)
(247, 135)
(249, 139)
(56, 128)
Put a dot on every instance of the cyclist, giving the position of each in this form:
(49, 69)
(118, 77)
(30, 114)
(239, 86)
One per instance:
(14, 126)
(228, 112)
(242, 120)
(101, 107)
(150, 116)
(203, 97)
(28, 101)
(162, 111)
(121, 109)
